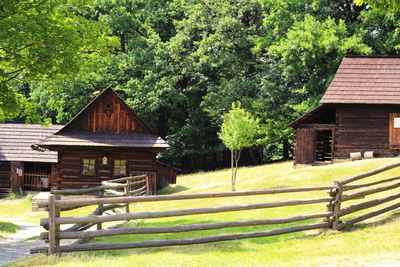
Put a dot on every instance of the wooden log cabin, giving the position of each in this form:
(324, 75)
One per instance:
(106, 140)
(22, 168)
(359, 112)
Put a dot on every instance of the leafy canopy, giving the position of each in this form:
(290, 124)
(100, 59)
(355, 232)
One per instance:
(44, 41)
(238, 128)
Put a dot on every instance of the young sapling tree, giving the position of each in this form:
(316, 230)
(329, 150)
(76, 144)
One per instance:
(238, 131)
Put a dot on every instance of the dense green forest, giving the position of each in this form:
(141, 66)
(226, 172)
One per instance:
(180, 64)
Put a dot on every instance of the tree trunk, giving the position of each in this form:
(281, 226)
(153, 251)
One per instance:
(123, 43)
(232, 171)
(285, 149)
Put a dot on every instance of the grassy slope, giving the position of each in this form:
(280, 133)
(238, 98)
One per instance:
(364, 244)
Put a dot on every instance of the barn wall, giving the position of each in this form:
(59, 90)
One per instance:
(70, 166)
(165, 175)
(109, 114)
(5, 178)
(363, 128)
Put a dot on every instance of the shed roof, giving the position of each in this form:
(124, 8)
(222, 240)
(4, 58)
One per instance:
(365, 80)
(16, 140)
(82, 139)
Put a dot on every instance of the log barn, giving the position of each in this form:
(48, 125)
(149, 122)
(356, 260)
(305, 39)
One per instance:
(22, 168)
(106, 140)
(359, 112)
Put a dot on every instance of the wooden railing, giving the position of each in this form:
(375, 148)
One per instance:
(37, 181)
(331, 217)
(54, 221)
(341, 196)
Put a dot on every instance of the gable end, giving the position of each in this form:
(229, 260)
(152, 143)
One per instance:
(107, 113)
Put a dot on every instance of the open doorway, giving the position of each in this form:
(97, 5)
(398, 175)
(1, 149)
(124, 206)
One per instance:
(324, 146)
(37, 176)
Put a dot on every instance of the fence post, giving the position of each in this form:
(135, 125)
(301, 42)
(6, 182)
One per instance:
(101, 195)
(57, 215)
(337, 204)
(52, 225)
(127, 195)
(147, 185)
(329, 205)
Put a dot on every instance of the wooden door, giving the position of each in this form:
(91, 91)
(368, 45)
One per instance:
(394, 131)
(305, 145)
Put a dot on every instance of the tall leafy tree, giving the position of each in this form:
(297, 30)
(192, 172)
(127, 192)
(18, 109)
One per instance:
(44, 41)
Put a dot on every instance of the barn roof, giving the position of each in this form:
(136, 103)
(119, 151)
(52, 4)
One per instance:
(321, 114)
(365, 80)
(104, 140)
(16, 140)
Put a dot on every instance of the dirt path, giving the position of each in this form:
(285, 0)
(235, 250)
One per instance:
(14, 247)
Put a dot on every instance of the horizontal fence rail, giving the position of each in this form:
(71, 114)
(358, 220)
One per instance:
(88, 202)
(181, 242)
(332, 217)
(339, 213)
(173, 213)
(53, 222)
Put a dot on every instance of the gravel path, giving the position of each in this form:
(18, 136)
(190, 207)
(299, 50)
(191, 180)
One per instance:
(14, 247)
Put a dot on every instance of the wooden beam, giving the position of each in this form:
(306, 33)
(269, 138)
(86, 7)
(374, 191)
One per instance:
(181, 242)
(86, 202)
(369, 173)
(370, 191)
(367, 216)
(173, 213)
(183, 228)
(368, 204)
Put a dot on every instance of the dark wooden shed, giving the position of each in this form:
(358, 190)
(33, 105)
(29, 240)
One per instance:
(359, 112)
(22, 168)
(107, 140)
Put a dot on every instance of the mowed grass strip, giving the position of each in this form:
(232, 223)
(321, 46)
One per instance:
(7, 228)
(367, 243)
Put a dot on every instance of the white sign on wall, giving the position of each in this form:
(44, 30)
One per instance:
(396, 123)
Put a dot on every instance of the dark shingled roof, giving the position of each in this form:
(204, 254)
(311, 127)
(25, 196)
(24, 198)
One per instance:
(104, 140)
(366, 80)
(16, 140)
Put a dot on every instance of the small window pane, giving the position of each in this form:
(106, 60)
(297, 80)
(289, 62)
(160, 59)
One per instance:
(88, 166)
(119, 167)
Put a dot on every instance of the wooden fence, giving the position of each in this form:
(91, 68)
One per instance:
(37, 181)
(342, 195)
(331, 217)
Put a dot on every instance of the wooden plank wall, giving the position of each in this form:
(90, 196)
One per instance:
(70, 168)
(165, 175)
(16, 180)
(108, 114)
(305, 145)
(363, 128)
(5, 178)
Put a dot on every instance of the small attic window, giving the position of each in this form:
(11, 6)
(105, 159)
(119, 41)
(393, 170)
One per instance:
(108, 105)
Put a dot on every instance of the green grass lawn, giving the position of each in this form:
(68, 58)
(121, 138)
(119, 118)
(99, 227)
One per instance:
(7, 228)
(364, 244)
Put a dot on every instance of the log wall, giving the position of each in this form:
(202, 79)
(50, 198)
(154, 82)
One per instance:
(70, 166)
(362, 128)
(165, 175)
(5, 178)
